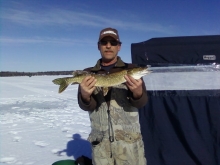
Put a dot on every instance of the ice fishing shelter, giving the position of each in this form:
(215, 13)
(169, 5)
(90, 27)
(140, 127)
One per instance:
(181, 122)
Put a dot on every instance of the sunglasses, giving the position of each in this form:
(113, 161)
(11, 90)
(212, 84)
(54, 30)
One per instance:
(112, 42)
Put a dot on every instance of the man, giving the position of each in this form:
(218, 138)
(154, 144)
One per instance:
(115, 130)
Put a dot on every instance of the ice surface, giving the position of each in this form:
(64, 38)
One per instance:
(37, 123)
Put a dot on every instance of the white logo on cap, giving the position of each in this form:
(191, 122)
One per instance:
(111, 32)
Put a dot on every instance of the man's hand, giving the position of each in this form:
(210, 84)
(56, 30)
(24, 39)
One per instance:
(87, 87)
(135, 86)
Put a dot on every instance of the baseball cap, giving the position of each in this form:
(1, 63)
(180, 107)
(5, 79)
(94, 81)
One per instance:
(109, 32)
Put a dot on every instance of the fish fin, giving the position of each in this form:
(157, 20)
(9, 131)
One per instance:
(105, 90)
(62, 82)
(79, 72)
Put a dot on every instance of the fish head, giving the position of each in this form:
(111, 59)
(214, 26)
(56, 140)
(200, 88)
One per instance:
(139, 72)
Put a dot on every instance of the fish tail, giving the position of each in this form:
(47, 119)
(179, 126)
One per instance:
(62, 82)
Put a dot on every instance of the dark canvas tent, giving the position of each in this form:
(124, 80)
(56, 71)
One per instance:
(177, 50)
(181, 127)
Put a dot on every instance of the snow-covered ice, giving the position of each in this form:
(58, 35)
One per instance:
(38, 125)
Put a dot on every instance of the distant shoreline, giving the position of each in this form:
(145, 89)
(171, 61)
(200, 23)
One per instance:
(12, 74)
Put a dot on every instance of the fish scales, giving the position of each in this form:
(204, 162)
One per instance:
(110, 79)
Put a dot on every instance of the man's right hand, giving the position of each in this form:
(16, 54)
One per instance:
(87, 87)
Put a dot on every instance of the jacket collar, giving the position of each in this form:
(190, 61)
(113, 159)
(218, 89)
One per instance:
(119, 63)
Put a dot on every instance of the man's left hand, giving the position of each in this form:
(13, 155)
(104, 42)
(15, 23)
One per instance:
(135, 86)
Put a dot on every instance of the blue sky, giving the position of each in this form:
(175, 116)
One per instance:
(58, 35)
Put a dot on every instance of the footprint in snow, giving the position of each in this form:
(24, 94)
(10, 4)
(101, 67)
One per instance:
(41, 143)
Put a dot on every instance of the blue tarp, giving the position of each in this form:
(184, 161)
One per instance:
(181, 126)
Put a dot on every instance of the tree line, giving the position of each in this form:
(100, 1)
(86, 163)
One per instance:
(10, 74)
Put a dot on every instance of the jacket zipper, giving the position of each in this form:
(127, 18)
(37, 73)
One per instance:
(111, 131)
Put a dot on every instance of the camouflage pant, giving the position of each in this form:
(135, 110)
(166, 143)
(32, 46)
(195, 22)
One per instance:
(118, 153)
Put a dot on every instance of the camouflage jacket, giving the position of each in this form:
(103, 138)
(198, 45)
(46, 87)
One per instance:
(114, 116)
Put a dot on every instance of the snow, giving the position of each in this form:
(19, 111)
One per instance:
(37, 123)
(40, 126)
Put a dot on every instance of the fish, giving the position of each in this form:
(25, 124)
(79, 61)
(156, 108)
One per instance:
(103, 80)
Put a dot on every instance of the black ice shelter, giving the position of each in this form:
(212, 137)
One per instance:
(181, 122)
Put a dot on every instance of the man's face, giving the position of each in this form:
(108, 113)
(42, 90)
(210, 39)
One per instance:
(109, 49)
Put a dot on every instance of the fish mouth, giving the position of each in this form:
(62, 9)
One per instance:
(143, 72)
(146, 71)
